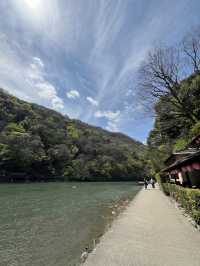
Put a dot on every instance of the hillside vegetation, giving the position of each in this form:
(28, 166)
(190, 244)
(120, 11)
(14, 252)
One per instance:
(37, 143)
(173, 132)
(170, 80)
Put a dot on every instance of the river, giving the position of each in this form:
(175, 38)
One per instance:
(50, 224)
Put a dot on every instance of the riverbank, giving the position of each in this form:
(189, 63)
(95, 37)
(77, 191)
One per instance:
(150, 232)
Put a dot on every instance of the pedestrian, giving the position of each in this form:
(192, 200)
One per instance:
(152, 181)
(145, 183)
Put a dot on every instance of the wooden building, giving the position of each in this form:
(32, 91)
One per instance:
(183, 167)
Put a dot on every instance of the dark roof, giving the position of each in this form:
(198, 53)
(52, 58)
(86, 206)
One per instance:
(184, 152)
(188, 151)
(192, 151)
(181, 162)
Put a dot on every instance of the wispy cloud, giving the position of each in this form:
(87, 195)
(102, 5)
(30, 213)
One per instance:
(92, 101)
(113, 118)
(44, 89)
(26, 79)
(95, 46)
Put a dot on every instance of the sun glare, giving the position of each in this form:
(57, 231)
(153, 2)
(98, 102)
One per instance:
(33, 4)
(32, 10)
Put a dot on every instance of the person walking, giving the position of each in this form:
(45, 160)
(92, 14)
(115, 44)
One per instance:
(152, 181)
(145, 183)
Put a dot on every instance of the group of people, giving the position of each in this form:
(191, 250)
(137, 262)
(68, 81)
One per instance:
(152, 181)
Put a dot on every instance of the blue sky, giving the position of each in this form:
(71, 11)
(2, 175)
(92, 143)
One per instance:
(81, 57)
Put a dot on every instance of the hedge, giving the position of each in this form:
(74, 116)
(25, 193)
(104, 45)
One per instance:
(188, 198)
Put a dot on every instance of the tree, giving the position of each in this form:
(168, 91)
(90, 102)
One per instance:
(161, 76)
(22, 152)
(191, 49)
(59, 156)
(37, 143)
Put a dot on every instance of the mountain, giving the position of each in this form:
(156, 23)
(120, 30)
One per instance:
(40, 144)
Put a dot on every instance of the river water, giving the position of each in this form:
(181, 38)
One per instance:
(50, 224)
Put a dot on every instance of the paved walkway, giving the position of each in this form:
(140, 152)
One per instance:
(151, 232)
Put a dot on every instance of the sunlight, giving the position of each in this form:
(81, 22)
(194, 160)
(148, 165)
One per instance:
(33, 4)
(32, 11)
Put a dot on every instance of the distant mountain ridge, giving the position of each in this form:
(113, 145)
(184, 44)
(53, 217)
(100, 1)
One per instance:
(37, 143)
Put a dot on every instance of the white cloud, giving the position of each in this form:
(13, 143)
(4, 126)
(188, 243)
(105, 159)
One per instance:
(57, 103)
(108, 25)
(104, 44)
(92, 101)
(26, 78)
(112, 126)
(112, 117)
(108, 114)
(73, 94)
(112, 81)
(45, 90)
(48, 92)
(38, 62)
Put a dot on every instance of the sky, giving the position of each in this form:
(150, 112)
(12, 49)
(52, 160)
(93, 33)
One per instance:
(81, 57)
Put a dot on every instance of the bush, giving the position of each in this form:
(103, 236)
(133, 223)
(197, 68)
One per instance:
(163, 184)
(188, 198)
(195, 130)
(180, 144)
(165, 188)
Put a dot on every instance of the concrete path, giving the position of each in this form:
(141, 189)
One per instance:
(151, 232)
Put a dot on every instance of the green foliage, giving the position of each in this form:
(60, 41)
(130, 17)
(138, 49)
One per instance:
(195, 130)
(188, 198)
(173, 129)
(180, 144)
(37, 143)
(166, 188)
(72, 131)
(14, 128)
(157, 177)
(4, 151)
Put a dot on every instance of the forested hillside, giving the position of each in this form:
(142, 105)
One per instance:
(172, 131)
(170, 80)
(37, 143)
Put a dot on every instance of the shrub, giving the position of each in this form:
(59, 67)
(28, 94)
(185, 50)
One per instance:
(165, 188)
(163, 185)
(180, 144)
(195, 130)
(188, 198)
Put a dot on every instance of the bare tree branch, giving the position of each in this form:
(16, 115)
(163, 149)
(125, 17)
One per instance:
(161, 75)
(191, 49)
